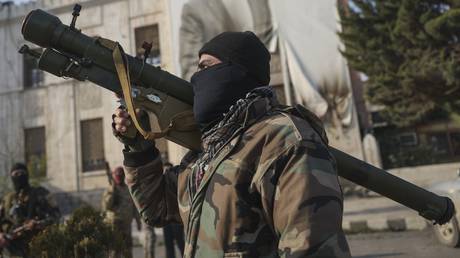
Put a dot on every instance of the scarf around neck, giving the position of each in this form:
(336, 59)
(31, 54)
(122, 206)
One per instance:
(242, 114)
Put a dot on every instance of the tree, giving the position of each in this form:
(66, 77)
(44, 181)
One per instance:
(410, 51)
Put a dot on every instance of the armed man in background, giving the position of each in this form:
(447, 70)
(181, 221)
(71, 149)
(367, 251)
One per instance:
(264, 184)
(24, 213)
(119, 209)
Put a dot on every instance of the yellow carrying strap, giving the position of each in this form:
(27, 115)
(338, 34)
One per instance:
(121, 65)
(181, 122)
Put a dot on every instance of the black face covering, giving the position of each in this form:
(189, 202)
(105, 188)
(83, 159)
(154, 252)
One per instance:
(216, 89)
(20, 182)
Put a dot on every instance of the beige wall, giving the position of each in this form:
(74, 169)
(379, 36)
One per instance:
(59, 104)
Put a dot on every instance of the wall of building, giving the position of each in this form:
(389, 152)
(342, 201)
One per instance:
(60, 104)
(11, 97)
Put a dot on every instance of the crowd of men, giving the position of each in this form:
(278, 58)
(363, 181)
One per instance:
(27, 210)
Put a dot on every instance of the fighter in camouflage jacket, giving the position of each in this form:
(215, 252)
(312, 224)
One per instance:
(24, 213)
(272, 191)
(265, 184)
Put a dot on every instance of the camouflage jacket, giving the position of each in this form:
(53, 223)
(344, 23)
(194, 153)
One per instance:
(272, 191)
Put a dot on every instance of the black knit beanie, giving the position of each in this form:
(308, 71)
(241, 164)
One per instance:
(243, 48)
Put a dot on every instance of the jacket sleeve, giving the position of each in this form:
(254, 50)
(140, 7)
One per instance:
(306, 202)
(154, 193)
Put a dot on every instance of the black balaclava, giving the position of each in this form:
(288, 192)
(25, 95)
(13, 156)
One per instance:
(245, 66)
(20, 182)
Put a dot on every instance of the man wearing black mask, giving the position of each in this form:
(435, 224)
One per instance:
(264, 184)
(24, 213)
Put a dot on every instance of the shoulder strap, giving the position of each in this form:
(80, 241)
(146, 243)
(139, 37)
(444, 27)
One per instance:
(182, 121)
(122, 68)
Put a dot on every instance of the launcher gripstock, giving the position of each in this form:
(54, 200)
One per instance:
(70, 53)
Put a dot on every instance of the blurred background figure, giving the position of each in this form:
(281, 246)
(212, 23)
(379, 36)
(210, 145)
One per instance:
(24, 212)
(119, 209)
(149, 241)
(173, 233)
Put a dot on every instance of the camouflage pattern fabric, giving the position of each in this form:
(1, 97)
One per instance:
(271, 191)
(17, 208)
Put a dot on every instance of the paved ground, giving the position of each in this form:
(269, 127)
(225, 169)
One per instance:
(405, 244)
(379, 213)
(138, 252)
(376, 213)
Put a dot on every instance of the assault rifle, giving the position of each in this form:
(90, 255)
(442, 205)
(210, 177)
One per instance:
(70, 53)
(17, 233)
(108, 173)
(27, 226)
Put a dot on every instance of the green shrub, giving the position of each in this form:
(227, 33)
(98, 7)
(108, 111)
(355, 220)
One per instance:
(84, 235)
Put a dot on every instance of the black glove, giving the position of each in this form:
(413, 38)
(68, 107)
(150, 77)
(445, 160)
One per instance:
(132, 139)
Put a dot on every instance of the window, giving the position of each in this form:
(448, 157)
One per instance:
(408, 139)
(455, 141)
(439, 143)
(35, 151)
(92, 145)
(412, 148)
(378, 120)
(33, 77)
(149, 34)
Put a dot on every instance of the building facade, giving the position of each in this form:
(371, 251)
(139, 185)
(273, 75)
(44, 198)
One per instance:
(62, 127)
